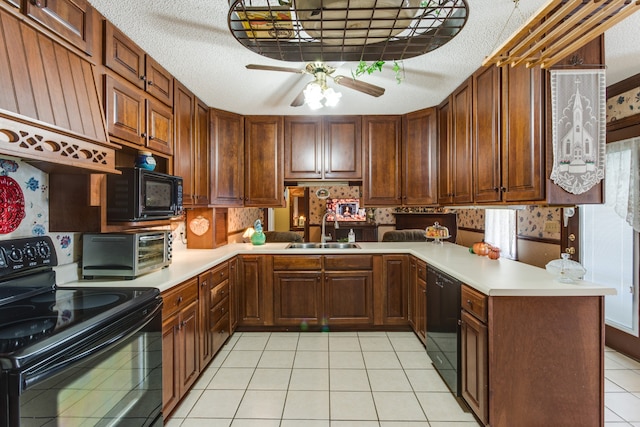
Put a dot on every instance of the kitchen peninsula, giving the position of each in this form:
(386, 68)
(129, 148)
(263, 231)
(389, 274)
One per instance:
(532, 347)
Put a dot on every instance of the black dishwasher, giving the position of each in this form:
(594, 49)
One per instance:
(443, 329)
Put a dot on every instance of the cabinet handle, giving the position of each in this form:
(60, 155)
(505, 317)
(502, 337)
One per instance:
(143, 78)
(179, 300)
(151, 137)
(222, 309)
(150, 83)
(460, 322)
(203, 284)
(143, 134)
(503, 189)
(496, 189)
(37, 3)
(470, 303)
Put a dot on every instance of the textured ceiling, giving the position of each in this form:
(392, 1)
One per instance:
(190, 38)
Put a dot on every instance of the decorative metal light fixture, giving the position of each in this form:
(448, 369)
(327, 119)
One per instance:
(345, 30)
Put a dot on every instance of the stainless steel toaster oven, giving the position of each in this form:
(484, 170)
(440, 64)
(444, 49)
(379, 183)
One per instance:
(125, 254)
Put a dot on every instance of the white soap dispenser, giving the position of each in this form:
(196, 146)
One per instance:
(352, 236)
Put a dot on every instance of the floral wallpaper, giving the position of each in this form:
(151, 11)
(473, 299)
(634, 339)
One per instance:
(530, 221)
(241, 218)
(624, 105)
(34, 184)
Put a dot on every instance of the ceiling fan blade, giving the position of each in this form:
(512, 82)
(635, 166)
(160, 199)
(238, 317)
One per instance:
(272, 68)
(363, 87)
(299, 100)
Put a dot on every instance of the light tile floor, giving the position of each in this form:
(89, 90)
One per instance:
(357, 379)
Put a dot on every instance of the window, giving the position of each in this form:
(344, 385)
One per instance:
(610, 255)
(500, 230)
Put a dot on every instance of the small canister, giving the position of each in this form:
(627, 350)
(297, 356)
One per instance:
(145, 160)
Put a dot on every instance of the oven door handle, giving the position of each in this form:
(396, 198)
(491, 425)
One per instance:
(45, 370)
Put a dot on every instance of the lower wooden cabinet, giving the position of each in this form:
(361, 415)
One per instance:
(417, 306)
(180, 342)
(395, 273)
(252, 292)
(475, 377)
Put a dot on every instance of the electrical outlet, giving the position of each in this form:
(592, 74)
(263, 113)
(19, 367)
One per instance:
(551, 227)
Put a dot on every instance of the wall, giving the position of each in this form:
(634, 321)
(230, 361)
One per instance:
(34, 184)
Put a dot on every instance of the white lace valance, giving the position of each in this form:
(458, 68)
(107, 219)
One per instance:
(578, 117)
(622, 185)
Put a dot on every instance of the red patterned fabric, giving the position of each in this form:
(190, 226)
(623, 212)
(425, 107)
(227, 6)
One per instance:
(11, 204)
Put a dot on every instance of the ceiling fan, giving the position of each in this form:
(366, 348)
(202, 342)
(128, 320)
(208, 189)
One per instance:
(320, 71)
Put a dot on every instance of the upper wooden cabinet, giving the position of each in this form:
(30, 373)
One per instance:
(191, 144)
(523, 113)
(487, 155)
(454, 144)
(264, 146)
(382, 160)
(71, 19)
(419, 158)
(136, 119)
(227, 159)
(323, 147)
(127, 59)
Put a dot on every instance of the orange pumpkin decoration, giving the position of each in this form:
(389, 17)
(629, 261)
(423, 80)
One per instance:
(480, 248)
(494, 252)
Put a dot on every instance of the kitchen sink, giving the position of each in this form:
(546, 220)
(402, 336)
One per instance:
(311, 245)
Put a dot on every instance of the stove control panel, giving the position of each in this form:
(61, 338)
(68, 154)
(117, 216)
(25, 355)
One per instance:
(18, 255)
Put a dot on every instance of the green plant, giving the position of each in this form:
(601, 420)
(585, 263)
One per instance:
(364, 67)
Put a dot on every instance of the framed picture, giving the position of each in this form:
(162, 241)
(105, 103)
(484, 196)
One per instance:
(346, 210)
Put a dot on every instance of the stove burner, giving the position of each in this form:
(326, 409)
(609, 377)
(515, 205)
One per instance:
(17, 334)
(87, 302)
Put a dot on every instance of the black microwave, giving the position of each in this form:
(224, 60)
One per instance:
(143, 195)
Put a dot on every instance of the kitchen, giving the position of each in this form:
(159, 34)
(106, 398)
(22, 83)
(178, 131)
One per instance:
(235, 219)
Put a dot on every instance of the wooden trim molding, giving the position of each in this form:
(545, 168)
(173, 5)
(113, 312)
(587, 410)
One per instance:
(627, 127)
(51, 150)
(538, 239)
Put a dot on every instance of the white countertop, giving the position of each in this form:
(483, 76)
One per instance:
(502, 277)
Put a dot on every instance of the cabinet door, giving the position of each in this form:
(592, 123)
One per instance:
(419, 158)
(297, 298)
(170, 363)
(486, 135)
(159, 127)
(381, 184)
(264, 143)
(71, 19)
(123, 56)
(421, 306)
(227, 159)
(204, 288)
(460, 140)
(158, 81)
(125, 111)
(201, 153)
(303, 147)
(342, 147)
(523, 134)
(395, 273)
(233, 295)
(413, 286)
(445, 155)
(474, 359)
(251, 291)
(348, 297)
(183, 161)
(189, 347)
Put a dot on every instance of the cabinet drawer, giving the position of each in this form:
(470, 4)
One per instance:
(220, 333)
(219, 311)
(219, 292)
(220, 274)
(179, 297)
(348, 262)
(421, 270)
(474, 302)
(297, 262)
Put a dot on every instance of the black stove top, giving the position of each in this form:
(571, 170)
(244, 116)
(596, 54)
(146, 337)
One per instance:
(33, 308)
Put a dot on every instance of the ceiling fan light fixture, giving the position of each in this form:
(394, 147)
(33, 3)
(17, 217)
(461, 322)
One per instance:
(315, 93)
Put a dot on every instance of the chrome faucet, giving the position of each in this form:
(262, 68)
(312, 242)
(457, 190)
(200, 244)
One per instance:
(324, 238)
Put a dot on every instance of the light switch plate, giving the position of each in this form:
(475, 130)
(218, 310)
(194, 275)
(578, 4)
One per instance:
(551, 227)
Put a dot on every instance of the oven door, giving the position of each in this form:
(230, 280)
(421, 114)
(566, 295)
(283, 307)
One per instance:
(112, 379)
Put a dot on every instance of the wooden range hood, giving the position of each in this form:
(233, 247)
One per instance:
(558, 29)
(50, 112)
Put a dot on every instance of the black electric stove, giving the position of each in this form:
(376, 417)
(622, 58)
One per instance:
(50, 333)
